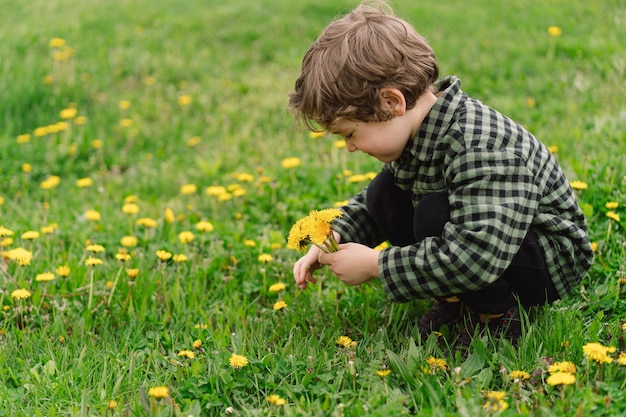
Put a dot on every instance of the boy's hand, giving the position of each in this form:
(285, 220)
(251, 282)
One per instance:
(304, 267)
(354, 263)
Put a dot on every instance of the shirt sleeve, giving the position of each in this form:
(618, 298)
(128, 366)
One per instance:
(492, 198)
(356, 224)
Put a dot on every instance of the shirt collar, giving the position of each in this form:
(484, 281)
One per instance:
(436, 122)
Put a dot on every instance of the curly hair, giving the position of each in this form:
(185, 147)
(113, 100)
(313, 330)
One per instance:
(354, 57)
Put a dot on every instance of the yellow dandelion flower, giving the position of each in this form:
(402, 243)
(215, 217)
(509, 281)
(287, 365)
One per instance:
(598, 352)
(215, 190)
(561, 378)
(340, 144)
(292, 162)
(237, 361)
(96, 143)
(40, 131)
(554, 31)
(68, 113)
(579, 185)
(265, 258)
(130, 208)
(159, 392)
(204, 226)
(494, 401)
(326, 215)
(197, 344)
(46, 230)
(249, 243)
(123, 257)
(56, 43)
(553, 149)
(621, 359)
(594, 246)
(112, 405)
(279, 305)
(27, 168)
(519, 375)
(298, 237)
(93, 261)
(344, 341)
(20, 294)
(80, 120)
(276, 400)
(186, 237)
(243, 177)
(193, 141)
(437, 364)
(126, 122)
(613, 216)
(128, 241)
(188, 189)
(181, 257)
(24, 138)
(50, 182)
(5, 232)
(132, 273)
(7, 241)
(612, 205)
(318, 231)
(564, 366)
(187, 354)
(224, 197)
(93, 215)
(124, 104)
(184, 100)
(20, 255)
(147, 222)
(95, 248)
(316, 135)
(278, 287)
(63, 271)
(30, 235)
(169, 216)
(45, 277)
(84, 182)
(383, 373)
(163, 255)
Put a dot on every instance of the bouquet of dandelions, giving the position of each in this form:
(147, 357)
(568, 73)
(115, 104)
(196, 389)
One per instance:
(316, 229)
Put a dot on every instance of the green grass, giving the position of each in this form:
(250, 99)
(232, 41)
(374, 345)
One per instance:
(238, 61)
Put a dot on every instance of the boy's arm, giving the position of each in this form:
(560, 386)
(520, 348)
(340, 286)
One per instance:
(356, 225)
(492, 199)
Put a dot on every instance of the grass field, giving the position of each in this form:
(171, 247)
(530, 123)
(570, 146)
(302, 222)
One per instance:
(150, 174)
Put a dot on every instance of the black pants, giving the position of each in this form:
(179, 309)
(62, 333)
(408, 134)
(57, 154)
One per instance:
(527, 277)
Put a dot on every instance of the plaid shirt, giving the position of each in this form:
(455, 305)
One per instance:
(500, 180)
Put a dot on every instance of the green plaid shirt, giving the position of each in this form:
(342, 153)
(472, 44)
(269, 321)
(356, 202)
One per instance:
(500, 180)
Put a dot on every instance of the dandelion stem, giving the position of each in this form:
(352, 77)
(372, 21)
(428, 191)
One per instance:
(117, 277)
(90, 288)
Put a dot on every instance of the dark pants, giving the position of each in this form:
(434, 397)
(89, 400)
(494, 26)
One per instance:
(526, 278)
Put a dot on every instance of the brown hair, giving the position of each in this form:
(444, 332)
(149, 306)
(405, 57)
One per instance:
(354, 57)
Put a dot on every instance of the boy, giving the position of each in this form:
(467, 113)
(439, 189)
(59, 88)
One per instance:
(477, 210)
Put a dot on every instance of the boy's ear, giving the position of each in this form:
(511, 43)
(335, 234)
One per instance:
(393, 101)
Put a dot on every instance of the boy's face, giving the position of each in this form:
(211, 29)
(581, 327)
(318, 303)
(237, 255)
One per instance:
(384, 141)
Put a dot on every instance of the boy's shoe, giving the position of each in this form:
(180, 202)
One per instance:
(441, 314)
(508, 326)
